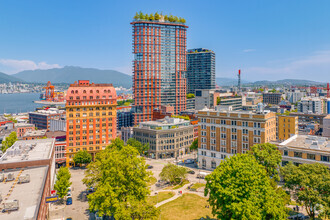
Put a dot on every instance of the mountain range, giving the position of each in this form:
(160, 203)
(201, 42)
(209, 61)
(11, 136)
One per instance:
(69, 74)
(4, 78)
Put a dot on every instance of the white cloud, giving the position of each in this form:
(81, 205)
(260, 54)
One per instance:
(249, 50)
(14, 66)
(313, 67)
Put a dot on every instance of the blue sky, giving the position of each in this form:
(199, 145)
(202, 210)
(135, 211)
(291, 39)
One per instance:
(267, 39)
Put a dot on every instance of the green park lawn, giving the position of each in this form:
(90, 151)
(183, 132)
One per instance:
(188, 206)
(153, 200)
(197, 186)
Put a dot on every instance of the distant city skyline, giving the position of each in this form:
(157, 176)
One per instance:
(266, 40)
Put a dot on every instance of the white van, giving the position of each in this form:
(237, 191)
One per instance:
(201, 175)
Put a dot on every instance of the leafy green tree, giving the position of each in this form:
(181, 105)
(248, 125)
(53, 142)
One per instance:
(142, 148)
(120, 178)
(190, 95)
(166, 18)
(239, 188)
(116, 143)
(171, 18)
(182, 20)
(146, 17)
(62, 183)
(176, 19)
(218, 100)
(310, 185)
(269, 156)
(194, 145)
(141, 15)
(82, 157)
(157, 16)
(63, 172)
(151, 17)
(173, 173)
(137, 16)
(9, 141)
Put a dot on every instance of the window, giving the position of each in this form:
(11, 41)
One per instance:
(245, 146)
(298, 154)
(223, 149)
(223, 122)
(285, 153)
(234, 137)
(213, 154)
(245, 124)
(311, 156)
(233, 151)
(233, 122)
(234, 130)
(223, 142)
(245, 131)
(223, 156)
(223, 135)
(233, 144)
(204, 163)
(213, 164)
(325, 158)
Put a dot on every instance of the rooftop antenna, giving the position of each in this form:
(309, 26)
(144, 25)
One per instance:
(239, 80)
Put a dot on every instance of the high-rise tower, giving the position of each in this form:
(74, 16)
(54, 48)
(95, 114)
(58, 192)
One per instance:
(159, 64)
(200, 69)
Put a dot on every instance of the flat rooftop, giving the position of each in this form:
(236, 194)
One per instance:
(20, 125)
(28, 150)
(35, 133)
(307, 142)
(27, 194)
(165, 123)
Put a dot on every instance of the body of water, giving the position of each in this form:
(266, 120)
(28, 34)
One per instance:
(18, 102)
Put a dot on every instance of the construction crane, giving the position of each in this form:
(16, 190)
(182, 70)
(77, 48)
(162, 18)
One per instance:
(328, 91)
(49, 94)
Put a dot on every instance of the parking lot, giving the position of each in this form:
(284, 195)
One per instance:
(79, 207)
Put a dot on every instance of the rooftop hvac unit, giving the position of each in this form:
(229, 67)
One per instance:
(10, 177)
(10, 205)
(24, 179)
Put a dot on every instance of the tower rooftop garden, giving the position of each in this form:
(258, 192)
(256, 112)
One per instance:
(139, 16)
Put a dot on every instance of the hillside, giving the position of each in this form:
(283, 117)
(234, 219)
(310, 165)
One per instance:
(69, 74)
(4, 78)
(221, 81)
(288, 82)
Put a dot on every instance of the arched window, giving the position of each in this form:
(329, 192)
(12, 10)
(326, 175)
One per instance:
(84, 91)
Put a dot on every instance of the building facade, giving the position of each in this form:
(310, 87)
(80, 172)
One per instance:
(125, 118)
(295, 95)
(308, 149)
(91, 117)
(326, 126)
(200, 69)
(226, 133)
(159, 66)
(272, 98)
(41, 118)
(234, 101)
(167, 138)
(22, 128)
(310, 105)
(287, 126)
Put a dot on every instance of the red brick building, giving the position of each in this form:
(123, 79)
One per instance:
(159, 66)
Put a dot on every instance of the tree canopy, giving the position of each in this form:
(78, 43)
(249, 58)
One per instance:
(157, 17)
(82, 157)
(190, 95)
(173, 173)
(194, 145)
(239, 188)
(9, 141)
(142, 148)
(310, 185)
(269, 156)
(62, 183)
(120, 178)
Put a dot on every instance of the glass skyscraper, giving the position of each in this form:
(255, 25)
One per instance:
(159, 66)
(200, 69)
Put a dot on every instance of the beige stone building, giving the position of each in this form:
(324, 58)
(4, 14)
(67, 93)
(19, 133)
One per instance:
(223, 133)
(168, 137)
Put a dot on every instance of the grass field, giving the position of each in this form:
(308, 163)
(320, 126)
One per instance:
(160, 197)
(152, 181)
(197, 186)
(188, 206)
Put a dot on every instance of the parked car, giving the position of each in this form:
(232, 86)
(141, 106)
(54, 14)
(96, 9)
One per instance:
(69, 201)
(90, 190)
(150, 167)
(191, 172)
(189, 161)
(202, 175)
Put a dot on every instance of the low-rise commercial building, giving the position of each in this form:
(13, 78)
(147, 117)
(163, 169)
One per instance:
(223, 133)
(60, 146)
(22, 128)
(309, 105)
(33, 158)
(36, 134)
(271, 98)
(168, 137)
(326, 126)
(41, 118)
(308, 149)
